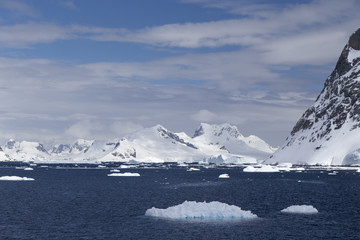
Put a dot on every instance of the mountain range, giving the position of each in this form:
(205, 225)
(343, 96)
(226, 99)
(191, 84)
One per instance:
(210, 143)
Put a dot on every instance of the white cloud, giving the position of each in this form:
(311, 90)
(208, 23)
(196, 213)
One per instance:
(19, 8)
(205, 116)
(121, 128)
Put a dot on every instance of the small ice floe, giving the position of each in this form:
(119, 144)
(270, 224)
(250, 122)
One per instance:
(125, 166)
(333, 173)
(193, 169)
(262, 168)
(101, 166)
(28, 169)
(225, 175)
(15, 178)
(114, 170)
(300, 209)
(191, 210)
(125, 174)
(286, 167)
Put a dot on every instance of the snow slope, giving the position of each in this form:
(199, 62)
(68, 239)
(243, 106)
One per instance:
(328, 133)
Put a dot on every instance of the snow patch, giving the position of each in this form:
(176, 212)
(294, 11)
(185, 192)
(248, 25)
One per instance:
(191, 210)
(15, 178)
(300, 209)
(353, 54)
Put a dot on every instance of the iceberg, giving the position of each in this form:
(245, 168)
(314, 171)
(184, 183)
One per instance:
(15, 178)
(191, 210)
(193, 169)
(125, 174)
(225, 175)
(263, 168)
(300, 209)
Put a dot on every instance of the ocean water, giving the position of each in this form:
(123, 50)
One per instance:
(87, 204)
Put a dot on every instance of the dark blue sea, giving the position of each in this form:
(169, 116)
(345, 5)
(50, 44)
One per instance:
(75, 203)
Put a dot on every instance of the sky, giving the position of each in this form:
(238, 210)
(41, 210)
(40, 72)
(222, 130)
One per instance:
(98, 69)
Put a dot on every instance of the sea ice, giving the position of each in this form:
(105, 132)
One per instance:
(301, 209)
(15, 178)
(225, 175)
(28, 169)
(262, 168)
(201, 210)
(126, 174)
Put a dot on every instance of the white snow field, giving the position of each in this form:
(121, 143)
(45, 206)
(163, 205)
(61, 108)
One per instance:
(125, 174)
(201, 211)
(15, 178)
(300, 209)
(225, 175)
(262, 168)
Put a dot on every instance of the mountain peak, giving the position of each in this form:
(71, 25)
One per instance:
(217, 130)
(334, 118)
(354, 40)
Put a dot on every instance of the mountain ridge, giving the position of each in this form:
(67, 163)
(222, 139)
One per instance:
(329, 130)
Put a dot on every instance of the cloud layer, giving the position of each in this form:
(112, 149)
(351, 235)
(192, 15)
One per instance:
(251, 69)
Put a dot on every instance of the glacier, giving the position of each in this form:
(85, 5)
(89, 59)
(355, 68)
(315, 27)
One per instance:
(191, 210)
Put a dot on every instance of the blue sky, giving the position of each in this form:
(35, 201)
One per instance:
(102, 69)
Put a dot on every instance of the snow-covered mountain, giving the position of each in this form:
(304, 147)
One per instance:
(228, 138)
(25, 151)
(210, 143)
(329, 131)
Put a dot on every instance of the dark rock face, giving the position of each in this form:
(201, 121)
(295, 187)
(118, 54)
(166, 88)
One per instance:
(174, 137)
(61, 148)
(339, 100)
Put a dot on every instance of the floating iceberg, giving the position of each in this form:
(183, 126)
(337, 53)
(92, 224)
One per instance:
(301, 209)
(193, 169)
(225, 175)
(28, 169)
(15, 178)
(126, 174)
(262, 168)
(191, 210)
